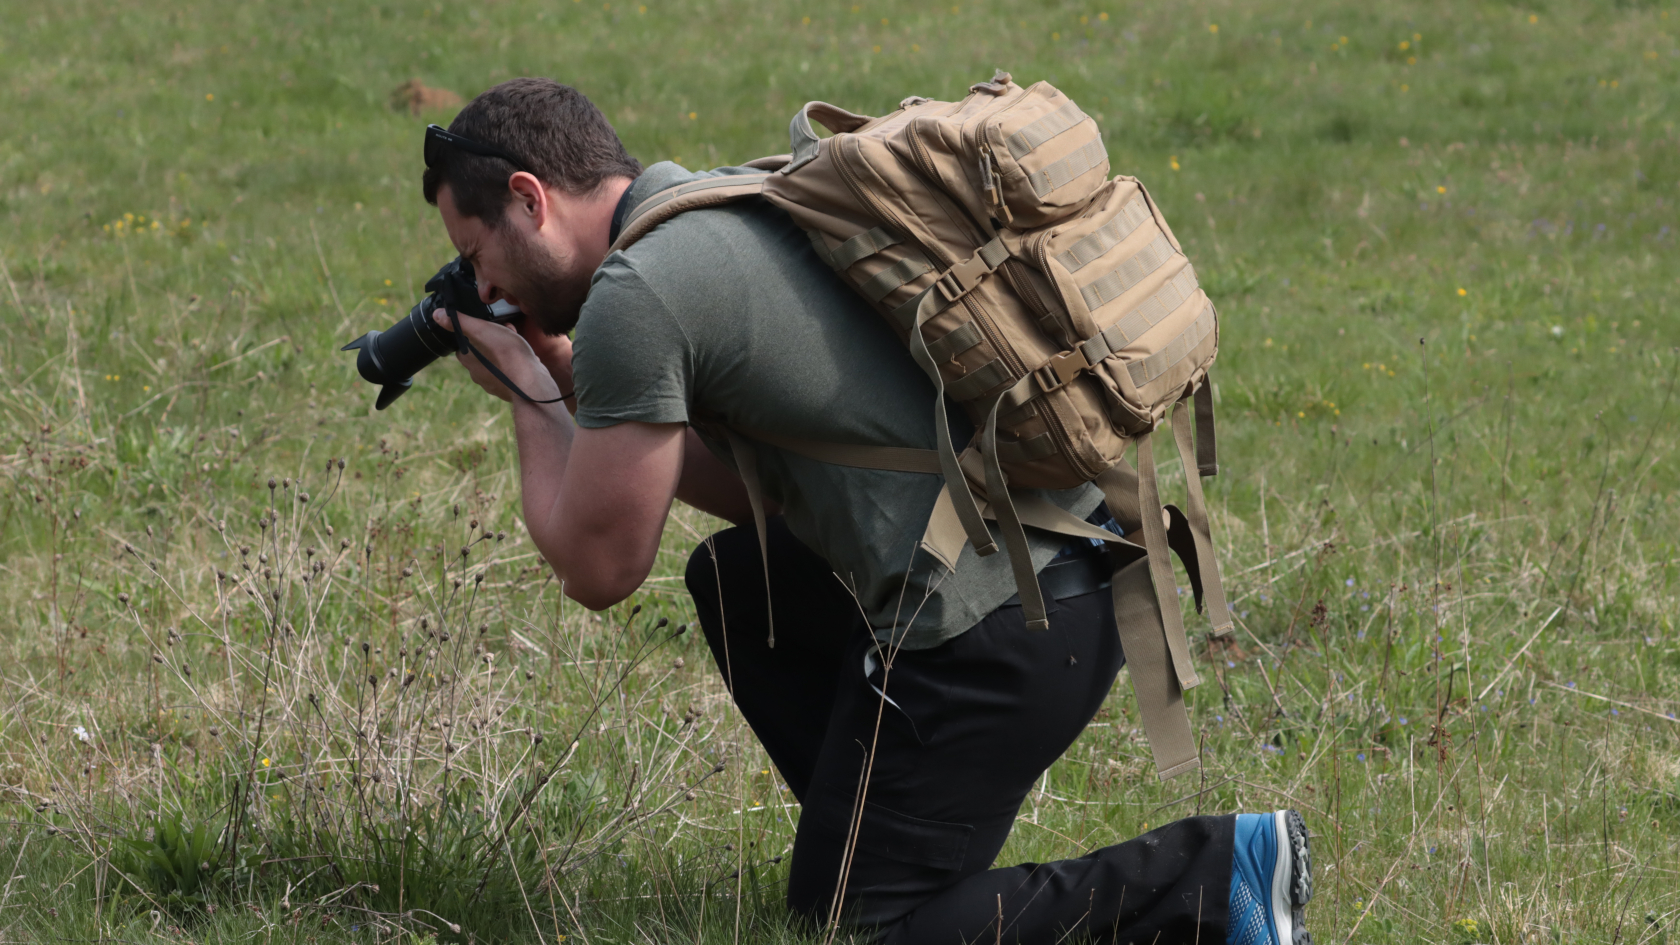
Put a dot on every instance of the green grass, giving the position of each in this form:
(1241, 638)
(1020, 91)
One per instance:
(1447, 504)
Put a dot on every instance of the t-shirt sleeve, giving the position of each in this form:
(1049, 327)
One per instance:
(631, 359)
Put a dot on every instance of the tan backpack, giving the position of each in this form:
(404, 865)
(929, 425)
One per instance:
(1053, 303)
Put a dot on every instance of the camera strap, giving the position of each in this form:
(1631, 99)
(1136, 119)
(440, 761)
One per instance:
(463, 346)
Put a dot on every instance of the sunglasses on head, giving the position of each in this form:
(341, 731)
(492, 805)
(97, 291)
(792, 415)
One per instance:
(437, 136)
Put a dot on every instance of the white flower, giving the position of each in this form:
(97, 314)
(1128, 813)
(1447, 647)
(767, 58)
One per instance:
(81, 734)
(1557, 331)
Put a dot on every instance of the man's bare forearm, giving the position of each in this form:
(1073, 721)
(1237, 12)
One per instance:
(544, 435)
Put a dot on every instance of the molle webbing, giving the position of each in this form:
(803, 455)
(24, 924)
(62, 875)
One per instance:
(1022, 142)
(1131, 327)
(1162, 361)
(955, 342)
(1114, 283)
(862, 246)
(978, 381)
(1068, 169)
(880, 285)
(1091, 248)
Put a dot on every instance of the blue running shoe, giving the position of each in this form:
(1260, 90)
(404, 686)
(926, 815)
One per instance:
(1271, 880)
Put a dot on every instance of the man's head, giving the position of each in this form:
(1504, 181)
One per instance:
(531, 234)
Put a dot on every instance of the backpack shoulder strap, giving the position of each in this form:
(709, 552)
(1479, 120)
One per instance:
(694, 195)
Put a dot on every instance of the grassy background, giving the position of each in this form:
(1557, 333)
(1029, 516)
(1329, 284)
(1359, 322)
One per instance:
(1442, 240)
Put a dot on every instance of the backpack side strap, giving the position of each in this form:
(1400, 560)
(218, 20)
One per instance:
(694, 195)
(1219, 613)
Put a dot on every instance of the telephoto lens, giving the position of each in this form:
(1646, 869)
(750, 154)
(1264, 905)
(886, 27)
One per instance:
(392, 357)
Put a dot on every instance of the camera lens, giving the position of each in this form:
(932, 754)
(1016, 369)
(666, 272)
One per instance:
(392, 357)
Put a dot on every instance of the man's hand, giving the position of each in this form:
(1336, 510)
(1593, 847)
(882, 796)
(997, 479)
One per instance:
(554, 351)
(510, 352)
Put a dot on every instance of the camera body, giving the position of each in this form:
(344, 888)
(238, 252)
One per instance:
(392, 357)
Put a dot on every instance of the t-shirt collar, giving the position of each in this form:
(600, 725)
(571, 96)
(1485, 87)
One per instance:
(619, 213)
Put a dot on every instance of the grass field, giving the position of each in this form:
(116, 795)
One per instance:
(278, 668)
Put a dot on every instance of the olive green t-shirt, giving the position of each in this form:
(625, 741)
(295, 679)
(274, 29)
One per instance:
(728, 316)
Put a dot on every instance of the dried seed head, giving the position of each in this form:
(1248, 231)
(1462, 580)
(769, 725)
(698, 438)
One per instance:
(344, 544)
(329, 531)
(689, 796)
(365, 647)
(262, 558)
(635, 610)
(536, 737)
(717, 767)
(286, 483)
(662, 624)
(262, 523)
(682, 628)
(408, 572)
(478, 578)
(122, 598)
(425, 622)
(215, 732)
(678, 663)
(341, 464)
(501, 535)
(483, 628)
(530, 675)
(444, 636)
(244, 550)
(271, 483)
(465, 549)
(303, 497)
(472, 524)
(157, 657)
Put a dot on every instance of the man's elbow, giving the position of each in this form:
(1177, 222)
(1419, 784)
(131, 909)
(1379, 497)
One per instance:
(599, 589)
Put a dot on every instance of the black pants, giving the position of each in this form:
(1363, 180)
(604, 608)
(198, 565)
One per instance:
(944, 761)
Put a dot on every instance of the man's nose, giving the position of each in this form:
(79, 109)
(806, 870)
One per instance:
(487, 291)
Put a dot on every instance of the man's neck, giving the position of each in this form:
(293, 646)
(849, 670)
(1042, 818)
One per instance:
(598, 217)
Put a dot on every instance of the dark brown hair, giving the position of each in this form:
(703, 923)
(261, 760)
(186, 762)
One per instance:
(560, 135)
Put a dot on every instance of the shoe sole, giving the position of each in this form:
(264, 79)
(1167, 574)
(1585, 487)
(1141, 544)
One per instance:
(1292, 878)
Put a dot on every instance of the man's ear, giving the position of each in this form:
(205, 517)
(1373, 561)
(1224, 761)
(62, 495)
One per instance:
(530, 198)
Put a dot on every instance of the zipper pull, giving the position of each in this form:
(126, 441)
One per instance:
(992, 184)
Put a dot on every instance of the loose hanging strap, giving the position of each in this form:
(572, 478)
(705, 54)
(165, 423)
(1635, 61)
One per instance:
(962, 498)
(1137, 615)
(1219, 613)
(1160, 566)
(746, 461)
(1009, 521)
(1207, 451)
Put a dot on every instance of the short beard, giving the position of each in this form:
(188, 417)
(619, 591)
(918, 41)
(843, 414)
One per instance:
(549, 292)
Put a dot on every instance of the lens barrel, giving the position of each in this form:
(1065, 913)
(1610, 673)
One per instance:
(392, 357)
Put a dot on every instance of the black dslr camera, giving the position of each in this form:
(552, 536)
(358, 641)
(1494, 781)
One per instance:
(392, 357)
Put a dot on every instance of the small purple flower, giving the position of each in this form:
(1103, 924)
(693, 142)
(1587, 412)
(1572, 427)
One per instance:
(1360, 756)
